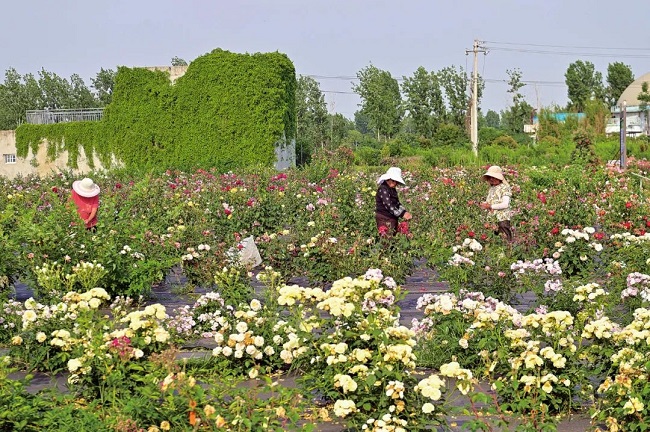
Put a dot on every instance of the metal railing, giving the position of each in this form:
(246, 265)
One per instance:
(64, 115)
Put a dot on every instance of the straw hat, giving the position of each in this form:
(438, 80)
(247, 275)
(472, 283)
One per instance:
(86, 188)
(393, 173)
(495, 172)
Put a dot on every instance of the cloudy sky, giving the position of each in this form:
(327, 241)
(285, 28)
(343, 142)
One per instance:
(333, 39)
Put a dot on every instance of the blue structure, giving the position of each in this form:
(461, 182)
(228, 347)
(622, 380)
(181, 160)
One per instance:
(561, 117)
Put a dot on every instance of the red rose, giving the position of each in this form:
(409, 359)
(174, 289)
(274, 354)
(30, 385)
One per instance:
(628, 204)
(551, 212)
(471, 234)
(55, 189)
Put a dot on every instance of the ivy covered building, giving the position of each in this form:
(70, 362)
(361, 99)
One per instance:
(224, 110)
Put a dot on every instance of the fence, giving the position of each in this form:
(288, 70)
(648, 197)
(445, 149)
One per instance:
(64, 115)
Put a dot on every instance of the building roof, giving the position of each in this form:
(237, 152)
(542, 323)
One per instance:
(632, 91)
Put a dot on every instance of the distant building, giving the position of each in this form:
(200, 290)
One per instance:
(560, 117)
(637, 116)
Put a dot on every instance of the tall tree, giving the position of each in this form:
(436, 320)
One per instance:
(311, 111)
(455, 84)
(583, 83)
(518, 115)
(56, 91)
(339, 126)
(103, 84)
(361, 122)
(619, 77)
(380, 100)
(82, 97)
(17, 95)
(644, 96)
(492, 119)
(424, 101)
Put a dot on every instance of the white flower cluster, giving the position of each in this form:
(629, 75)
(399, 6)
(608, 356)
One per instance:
(629, 238)
(573, 235)
(547, 266)
(192, 253)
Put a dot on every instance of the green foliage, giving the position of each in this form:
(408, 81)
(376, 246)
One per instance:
(449, 134)
(619, 77)
(644, 95)
(368, 156)
(492, 119)
(103, 84)
(424, 101)
(311, 115)
(60, 137)
(505, 141)
(497, 154)
(228, 110)
(584, 150)
(487, 135)
(380, 100)
(446, 156)
(584, 83)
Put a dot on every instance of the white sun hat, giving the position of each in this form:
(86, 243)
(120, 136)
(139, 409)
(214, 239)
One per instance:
(393, 173)
(86, 188)
(495, 172)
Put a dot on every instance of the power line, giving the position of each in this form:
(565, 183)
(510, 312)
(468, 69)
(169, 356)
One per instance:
(491, 80)
(569, 46)
(573, 53)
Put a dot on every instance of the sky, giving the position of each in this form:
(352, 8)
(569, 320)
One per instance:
(332, 40)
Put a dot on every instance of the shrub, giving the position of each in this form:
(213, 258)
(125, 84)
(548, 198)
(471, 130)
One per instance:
(505, 141)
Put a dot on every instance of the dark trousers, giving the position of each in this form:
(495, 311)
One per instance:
(389, 223)
(504, 227)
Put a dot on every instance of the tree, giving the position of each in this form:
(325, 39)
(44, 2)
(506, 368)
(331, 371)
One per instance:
(103, 84)
(361, 122)
(80, 94)
(56, 91)
(177, 61)
(518, 115)
(380, 100)
(619, 77)
(644, 96)
(454, 82)
(492, 119)
(311, 118)
(339, 126)
(17, 95)
(424, 101)
(583, 83)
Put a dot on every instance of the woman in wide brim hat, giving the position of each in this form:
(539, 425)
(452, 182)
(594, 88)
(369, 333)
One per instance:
(388, 208)
(498, 200)
(85, 195)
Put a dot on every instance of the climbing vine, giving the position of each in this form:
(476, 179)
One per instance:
(228, 110)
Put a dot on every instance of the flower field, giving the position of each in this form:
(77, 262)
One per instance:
(579, 343)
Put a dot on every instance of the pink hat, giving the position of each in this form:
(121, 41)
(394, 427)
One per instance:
(86, 188)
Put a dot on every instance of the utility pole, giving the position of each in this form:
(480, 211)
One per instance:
(623, 134)
(477, 48)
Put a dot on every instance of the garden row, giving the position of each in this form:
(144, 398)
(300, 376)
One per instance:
(580, 247)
